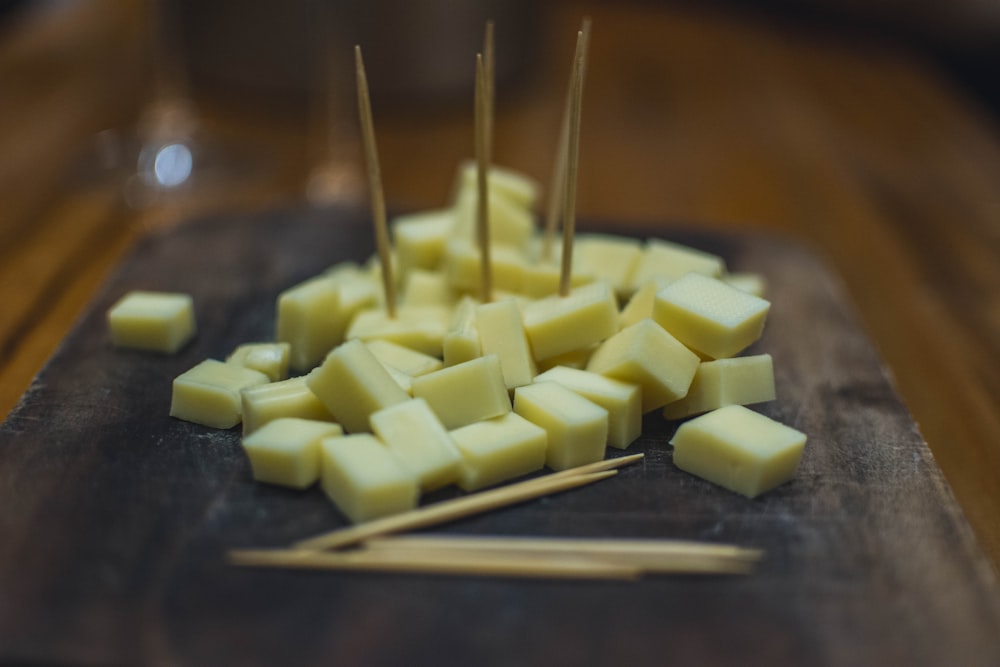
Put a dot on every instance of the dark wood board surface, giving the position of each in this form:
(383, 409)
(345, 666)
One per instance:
(114, 518)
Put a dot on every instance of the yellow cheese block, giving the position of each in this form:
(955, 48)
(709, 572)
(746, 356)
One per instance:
(154, 321)
(609, 257)
(510, 223)
(352, 384)
(463, 266)
(577, 428)
(515, 186)
(420, 328)
(541, 279)
(710, 316)
(209, 393)
(461, 342)
(409, 361)
(288, 398)
(754, 283)
(271, 359)
(622, 400)
(501, 332)
(496, 450)
(574, 359)
(556, 324)
(416, 436)
(722, 382)
(427, 288)
(667, 260)
(419, 239)
(738, 449)
(640, 305)
(364, 479)
(286, 451)
(465, 393)
(646, 355)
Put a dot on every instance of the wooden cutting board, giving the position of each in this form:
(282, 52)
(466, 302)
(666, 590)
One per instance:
(114, 518)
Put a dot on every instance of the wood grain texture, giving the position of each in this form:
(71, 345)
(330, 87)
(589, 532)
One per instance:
(117, 518)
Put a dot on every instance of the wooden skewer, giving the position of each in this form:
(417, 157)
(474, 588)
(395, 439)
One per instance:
(467, 505)
(375, 183)
(455, 563)
(557, 185)
(660, 556)
(489, 68)
(482, 186)
(572, 166)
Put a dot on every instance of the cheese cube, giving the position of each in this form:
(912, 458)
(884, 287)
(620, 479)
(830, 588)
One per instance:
(416, 436)
(499, 449)
(609, 257)
(209, 393)
(640, 305)
(286, 451)
(155, 321)
(463, 267)
(710, 316)
(409, 361)
(577, 428)
(420, 328)
(364, 479)
(738, 449)
(352, 384)
(622, 400)
(501, 332)
(736, 381)
(557, 324)
(288, 398)
(646, 355)
(664, 259)
(574, 359)
(542, 278)
(754, 283)
(510, 223)
(465, 393)
(271, 359)
(514, 186)
(427, 288)
(461, 343)
(419, 239)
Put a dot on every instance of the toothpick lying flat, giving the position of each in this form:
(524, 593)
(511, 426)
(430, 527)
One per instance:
(375, 183)
(480, 564)
(476, 503)
(572, 166)
(557, 185)
(660, 556)
(482, 186)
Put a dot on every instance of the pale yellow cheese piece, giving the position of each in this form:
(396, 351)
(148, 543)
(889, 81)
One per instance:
(420, 328)
(754, 283)
(573, 359)
(515, 186)
(271, 359)
(313, 315)
(542, 278)
(288, 398)
(738, 449)
(427, 288)
(352, 384)
(463, 266)
(501, 332)
(640, 305)
(419, 239)
(646, 355)
(609, 257)
(465, 393)
(667, 260)
(510, 223)
(209, 393)
(364, 479)
(154, 321)
(557, 324)
(622, 400)
(411, 362)
(577, 429)
(416, 436)
(404, 380)
(286, 451)
(461, 342)
(496, 450)
(722, 382)
(710, 316)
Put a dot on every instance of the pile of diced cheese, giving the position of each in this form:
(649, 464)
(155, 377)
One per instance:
(454, 391)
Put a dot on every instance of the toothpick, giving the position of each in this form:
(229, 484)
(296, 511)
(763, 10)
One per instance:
(483, 194)
(489, 64)
(467, 505)
(572, 166)
(375, 184)
(557, 183)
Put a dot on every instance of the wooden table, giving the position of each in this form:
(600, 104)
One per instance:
(860, 149)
